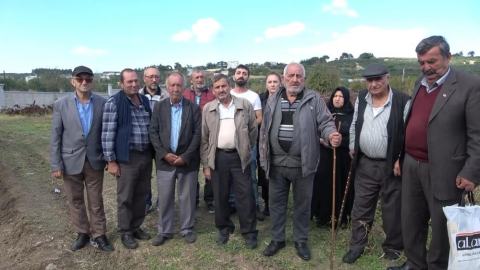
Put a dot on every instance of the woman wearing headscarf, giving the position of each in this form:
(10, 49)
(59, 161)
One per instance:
(342, 111)
(272, 83)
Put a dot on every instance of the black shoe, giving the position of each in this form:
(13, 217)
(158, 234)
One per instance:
(266, 211)
(392, 255)
(222, 238)
(251, 243)
(352, 256)
(102, 243)
(190, 237)
(273, 248)
(211, 208)
(303, 251)
(80, 242)
(128, 241)
(404, 266)
(260, 216)
(159, 240)
(141, 235)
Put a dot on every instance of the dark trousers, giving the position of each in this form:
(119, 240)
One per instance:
(92, 181)
(207, 192)
(279, 184)
(133, 187)
(263, 182)
(370, 181)
(419, 205)
(228, 169)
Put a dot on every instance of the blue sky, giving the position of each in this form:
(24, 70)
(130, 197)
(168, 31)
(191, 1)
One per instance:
(112, 35)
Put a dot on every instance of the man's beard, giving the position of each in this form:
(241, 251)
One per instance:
(294, 92)
(153, 86)
(241, 83)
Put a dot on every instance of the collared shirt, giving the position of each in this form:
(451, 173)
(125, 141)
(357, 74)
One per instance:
(139, 137)
(85, 114)
(198, 97)
(436, 84)
(226, 131)
(176, 117)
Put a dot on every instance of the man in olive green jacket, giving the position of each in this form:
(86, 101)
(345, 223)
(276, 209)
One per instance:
(229, 131)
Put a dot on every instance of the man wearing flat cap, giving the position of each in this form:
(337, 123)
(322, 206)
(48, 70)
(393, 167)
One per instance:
(376, 142)
(76, 156)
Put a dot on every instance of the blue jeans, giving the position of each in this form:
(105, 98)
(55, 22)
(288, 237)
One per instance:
(253, 166)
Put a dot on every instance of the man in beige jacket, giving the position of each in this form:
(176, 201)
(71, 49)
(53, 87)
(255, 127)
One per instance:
(229, 131)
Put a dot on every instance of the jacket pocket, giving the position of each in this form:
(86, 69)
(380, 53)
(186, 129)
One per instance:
(67, 151)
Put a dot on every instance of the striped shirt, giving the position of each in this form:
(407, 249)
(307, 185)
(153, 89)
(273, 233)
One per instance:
(374, 134)
(139, 140)
(285, 131)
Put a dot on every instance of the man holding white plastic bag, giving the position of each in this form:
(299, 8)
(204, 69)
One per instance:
(442, 153)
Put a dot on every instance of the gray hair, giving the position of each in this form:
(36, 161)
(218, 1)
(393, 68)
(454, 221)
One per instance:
(145, 70)
(428, 43)
(291, 64)
(218, 77)
(184, 80)
(196, 70)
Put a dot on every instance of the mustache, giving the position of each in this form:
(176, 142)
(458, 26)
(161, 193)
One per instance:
(430, 72)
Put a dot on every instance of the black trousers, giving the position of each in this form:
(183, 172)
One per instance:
(228, 169)
(207, 192)
(133, 187)
(419, 205)
(371, 180)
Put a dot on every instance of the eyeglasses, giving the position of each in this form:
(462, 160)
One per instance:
(152, 77)
(80, 80)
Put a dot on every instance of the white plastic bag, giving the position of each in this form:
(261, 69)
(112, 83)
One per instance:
(463, 224)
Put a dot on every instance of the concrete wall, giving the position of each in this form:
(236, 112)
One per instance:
(8, 99)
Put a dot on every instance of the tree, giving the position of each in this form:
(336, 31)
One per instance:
(178, 66)
(366, 55)
(346, 56)
(471, 53)
(460, 53)
(323, 78)
(210, 65)
(325, 57)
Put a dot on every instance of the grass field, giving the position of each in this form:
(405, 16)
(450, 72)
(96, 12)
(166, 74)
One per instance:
(36, 228)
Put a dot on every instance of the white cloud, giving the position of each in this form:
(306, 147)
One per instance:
(257, 39)
(291, 29)
(86, 51)
(204, 30)
(360, 39)
(339, 7)
(184, 35)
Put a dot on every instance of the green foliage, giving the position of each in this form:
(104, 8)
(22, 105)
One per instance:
(460, 53)
(471, 53)
(259, 71)
(323, 78)
(257, 85)
(366, 55)
(315, 60)
(346, 56)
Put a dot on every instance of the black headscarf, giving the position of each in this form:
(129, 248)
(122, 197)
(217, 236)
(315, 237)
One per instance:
(347, 107)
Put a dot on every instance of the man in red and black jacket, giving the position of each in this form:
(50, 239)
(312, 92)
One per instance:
(201, 95)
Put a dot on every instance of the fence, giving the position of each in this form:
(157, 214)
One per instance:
(8, 99)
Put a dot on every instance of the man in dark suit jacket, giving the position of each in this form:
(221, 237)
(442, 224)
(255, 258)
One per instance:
(175, 133)
(442, 152)
(76, 156)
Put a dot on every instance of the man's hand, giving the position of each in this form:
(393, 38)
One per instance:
(335, 139)
(351, 153)
(58, 174)
(113, 168)
(324, 143)
(396, 168)
(170, 158)
(179, 161)
(463, 183)
(206, 173)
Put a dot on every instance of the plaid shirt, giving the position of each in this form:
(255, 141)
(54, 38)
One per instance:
(139, 139)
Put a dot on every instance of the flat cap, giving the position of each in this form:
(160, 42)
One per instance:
(374, 70)
(82, 69)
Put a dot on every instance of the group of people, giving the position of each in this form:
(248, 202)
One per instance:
(415, 153)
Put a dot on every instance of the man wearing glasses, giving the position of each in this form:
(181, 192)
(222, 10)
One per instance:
(76, 156)
(152, 90)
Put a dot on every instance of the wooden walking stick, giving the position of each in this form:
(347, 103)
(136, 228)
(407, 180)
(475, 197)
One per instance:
(339, 221)
(332, 240)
